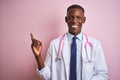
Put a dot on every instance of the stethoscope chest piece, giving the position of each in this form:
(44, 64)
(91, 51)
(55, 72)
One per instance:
(58, 59)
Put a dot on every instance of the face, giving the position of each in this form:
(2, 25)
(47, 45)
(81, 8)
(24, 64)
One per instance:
(75, 18)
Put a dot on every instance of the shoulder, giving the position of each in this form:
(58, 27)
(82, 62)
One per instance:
(56, 41)
(95, 42)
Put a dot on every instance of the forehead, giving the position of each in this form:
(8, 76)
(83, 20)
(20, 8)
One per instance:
(75, 11)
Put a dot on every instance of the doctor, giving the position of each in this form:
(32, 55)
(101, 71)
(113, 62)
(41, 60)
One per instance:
(84, 61)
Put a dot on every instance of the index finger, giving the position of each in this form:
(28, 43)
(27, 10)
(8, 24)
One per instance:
(32, 38)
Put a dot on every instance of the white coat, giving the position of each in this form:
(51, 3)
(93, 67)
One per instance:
(59, 70)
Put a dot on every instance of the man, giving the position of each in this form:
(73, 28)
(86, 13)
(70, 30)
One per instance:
(72, 56)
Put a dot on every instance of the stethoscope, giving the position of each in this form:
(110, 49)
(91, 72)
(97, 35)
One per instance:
(85, 46)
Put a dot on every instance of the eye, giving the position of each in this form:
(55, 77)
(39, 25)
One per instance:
(70, 18)
(78, 17)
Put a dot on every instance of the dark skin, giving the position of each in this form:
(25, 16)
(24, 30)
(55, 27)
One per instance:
(37, 49)
(75, 18)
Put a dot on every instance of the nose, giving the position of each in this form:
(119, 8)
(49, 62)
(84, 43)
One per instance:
(74, 20)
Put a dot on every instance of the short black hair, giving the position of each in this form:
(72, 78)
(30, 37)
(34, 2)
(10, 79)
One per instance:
(75, 6)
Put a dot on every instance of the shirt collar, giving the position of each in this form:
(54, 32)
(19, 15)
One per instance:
(79, 36)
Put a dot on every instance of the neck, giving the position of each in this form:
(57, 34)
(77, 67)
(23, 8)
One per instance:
(75, 33)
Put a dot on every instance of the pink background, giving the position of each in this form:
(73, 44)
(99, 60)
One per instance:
(45, 19)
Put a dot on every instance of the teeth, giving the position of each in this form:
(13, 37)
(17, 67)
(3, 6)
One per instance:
(74, 26)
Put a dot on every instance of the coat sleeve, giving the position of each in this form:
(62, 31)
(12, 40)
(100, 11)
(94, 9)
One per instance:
(100, 67)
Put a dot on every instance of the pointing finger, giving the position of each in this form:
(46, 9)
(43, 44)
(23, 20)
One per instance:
(32, 38)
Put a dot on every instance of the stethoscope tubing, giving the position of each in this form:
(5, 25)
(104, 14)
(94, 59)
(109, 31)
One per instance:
(61, 44)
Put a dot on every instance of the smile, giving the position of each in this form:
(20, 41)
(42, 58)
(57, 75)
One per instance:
(74, 26)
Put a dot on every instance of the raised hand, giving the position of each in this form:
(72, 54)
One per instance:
(36, 46)
(37, 49)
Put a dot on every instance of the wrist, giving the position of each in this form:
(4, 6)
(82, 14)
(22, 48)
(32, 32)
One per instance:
(40, 62)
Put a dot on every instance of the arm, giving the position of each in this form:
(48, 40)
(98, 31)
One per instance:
(37, 48)
(43, 71)
(46, 71)
(100, 69)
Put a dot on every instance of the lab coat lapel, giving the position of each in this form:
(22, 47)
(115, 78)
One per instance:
(86, 52)
(83, 49)
(85, 56)
(84, 59)
(65, 56)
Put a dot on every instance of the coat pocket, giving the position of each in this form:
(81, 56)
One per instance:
(88, 68)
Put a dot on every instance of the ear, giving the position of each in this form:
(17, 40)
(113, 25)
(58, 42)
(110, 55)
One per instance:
(84, 19)
(66, 19)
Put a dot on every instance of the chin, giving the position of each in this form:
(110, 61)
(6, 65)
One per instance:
(73, 33)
